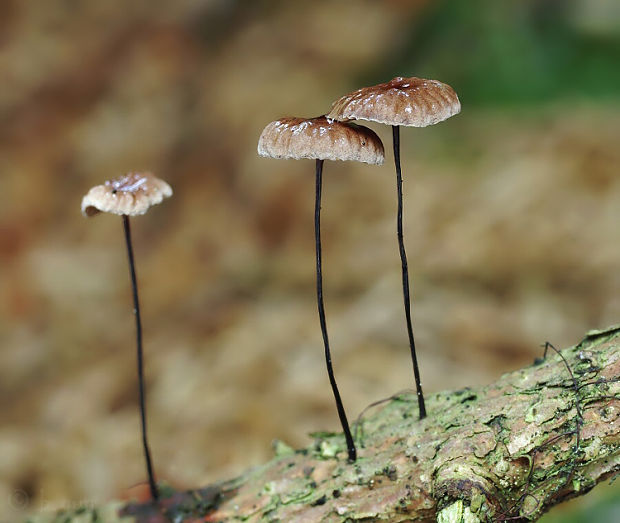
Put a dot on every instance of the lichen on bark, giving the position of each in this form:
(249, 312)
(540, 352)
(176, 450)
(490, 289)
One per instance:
(504, 452)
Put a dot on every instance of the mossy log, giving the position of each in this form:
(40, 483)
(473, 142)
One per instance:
(504, 452)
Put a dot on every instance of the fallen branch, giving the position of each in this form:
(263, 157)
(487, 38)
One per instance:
(505, 452)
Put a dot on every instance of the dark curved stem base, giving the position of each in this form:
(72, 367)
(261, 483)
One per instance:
(403, 260)
(319, 293)
(136, 310)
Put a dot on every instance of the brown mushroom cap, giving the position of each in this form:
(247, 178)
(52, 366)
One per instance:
(411, 101)
(130, 194)
(320, 139)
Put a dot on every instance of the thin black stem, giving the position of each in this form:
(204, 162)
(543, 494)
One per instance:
(403, 259)
(319, 293)
(136, 311)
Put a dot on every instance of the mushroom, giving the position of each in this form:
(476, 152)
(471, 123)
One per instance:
(131, 195)
(414, 102)
(319, 139)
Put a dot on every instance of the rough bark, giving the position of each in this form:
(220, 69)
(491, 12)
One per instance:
(506, 451)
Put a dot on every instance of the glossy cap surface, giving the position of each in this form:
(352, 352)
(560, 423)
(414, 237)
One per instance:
(320, 139)
(414, 102)
(131, 194)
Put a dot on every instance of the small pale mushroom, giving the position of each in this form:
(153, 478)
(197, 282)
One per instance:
(131, 195)
(320, 139)
(413, 102)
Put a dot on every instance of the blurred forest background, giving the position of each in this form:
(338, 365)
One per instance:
(511, 223)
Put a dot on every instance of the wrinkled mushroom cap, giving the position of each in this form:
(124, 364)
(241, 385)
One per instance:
(320, 139)
(130, 194)
(414, 102)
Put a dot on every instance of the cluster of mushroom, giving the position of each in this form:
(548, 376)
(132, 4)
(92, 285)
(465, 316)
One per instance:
(403, 101)
(414, 102)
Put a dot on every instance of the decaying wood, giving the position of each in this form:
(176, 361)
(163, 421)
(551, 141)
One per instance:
(504, 452)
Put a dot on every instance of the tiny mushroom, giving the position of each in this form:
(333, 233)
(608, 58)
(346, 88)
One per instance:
(320, 139)
(131, 195)
(413, 102)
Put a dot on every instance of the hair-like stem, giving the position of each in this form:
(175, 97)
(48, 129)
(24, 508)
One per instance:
(136, 311)
(319, 293)
(403, 260)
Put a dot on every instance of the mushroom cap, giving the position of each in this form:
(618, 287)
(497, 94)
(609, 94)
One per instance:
(130, 194)
(320, 139)
(414, 102)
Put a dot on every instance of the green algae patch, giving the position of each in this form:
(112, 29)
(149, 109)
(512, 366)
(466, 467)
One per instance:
(281, 449)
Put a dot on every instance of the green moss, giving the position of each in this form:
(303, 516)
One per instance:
(281, 449)
(329, 449)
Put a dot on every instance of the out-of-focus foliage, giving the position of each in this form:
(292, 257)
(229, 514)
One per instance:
(517, 52)
(511, 222)
(600, 505)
